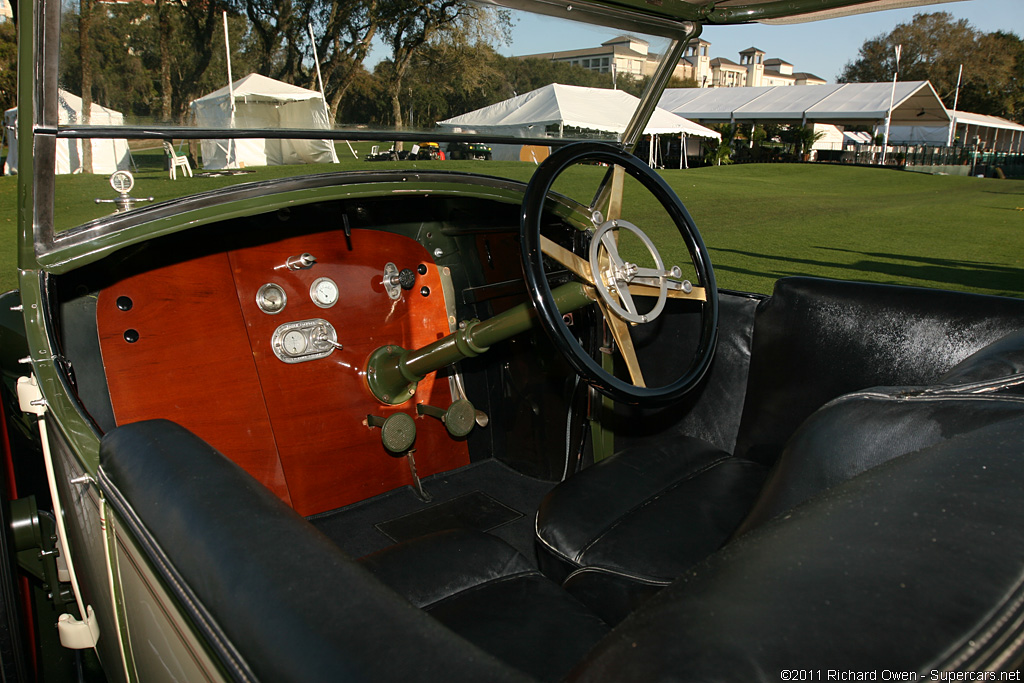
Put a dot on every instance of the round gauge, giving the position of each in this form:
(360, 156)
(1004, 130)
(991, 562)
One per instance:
(294, 343)
(324, 292)
(271, 298)
(122, 181)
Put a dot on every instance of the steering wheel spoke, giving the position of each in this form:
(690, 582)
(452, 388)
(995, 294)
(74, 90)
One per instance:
(577, 266)
(676, 290)
(624, 342)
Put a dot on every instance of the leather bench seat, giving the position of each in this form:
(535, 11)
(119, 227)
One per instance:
(620, 530)
(912, 568)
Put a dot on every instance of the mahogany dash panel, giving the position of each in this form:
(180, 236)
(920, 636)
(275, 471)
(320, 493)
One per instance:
(174, 346)
(318, 408)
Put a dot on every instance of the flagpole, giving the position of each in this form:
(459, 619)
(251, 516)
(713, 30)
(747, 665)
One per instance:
(892, 97)
(323, 93)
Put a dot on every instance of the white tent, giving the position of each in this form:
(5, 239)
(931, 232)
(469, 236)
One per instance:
(108, 155)
(262, 102)
(566, 106)
(913, 103)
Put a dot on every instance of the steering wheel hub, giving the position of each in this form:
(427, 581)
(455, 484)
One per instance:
(613, 280)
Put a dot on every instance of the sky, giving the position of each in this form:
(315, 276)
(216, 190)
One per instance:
(822, 48)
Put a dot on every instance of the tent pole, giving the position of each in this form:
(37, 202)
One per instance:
(232, 152)
(892, 96)
(956, 100)
(323, 94)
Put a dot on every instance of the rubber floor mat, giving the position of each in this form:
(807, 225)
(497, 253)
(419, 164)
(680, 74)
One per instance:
(474, 510)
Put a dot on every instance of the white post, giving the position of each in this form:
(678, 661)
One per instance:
(232, 154)
(956, 100)
(892, 96)
(323, 94)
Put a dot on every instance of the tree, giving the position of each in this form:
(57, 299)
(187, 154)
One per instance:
(410, 25)
(8, 65)
(934, 47)
(85, 50)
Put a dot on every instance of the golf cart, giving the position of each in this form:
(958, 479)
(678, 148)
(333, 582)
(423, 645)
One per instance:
(425, 424)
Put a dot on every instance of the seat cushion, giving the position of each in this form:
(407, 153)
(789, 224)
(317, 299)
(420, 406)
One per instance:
(647, 513)
(485, 591)
(864, 429)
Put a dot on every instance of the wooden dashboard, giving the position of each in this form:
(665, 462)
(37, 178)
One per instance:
(188, 342)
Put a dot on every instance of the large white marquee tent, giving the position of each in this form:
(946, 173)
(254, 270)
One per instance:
(566, 106)
(108, 155)
(262, 102)
(913, 103)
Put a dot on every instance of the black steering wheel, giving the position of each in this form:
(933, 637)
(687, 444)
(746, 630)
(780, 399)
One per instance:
(615, 281)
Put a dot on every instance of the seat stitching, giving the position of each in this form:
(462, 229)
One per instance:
(984, 630)
(648, 501)
(925, 395)
(618, 572)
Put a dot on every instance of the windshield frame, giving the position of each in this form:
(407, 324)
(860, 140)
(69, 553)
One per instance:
(38, 129)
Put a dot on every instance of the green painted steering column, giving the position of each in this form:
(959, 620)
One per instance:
(393, 372)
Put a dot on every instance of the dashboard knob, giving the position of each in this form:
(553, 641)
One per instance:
(407, 278)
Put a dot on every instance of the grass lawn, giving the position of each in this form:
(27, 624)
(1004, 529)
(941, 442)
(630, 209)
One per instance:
(760, 222)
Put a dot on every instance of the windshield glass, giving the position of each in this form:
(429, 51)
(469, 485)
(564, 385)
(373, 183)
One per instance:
(232, 96)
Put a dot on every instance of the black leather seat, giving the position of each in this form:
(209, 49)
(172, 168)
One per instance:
(909, 571)
(485, 591)
(621, 530)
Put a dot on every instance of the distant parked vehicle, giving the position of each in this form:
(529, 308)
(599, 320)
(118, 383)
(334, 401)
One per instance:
(424, 151)
(469, 150)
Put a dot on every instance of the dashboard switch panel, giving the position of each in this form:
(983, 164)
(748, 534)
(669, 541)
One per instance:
(304, 340)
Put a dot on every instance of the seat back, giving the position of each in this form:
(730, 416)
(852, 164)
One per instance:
(815, 340)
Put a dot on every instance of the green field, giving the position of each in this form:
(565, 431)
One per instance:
(760, 222)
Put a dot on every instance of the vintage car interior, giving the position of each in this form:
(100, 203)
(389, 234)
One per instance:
(426, 425)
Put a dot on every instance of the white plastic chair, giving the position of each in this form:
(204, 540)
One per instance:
(176, 161)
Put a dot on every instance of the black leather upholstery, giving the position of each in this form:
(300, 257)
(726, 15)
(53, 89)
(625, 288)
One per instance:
(484, 590)
(815, 340)
(863, 429)
(859, 431)
(996, 367)
(913, 566)
(277, 600)
(658, 508)
(812, 341)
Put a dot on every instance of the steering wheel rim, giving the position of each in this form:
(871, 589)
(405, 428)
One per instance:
(539, 290)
